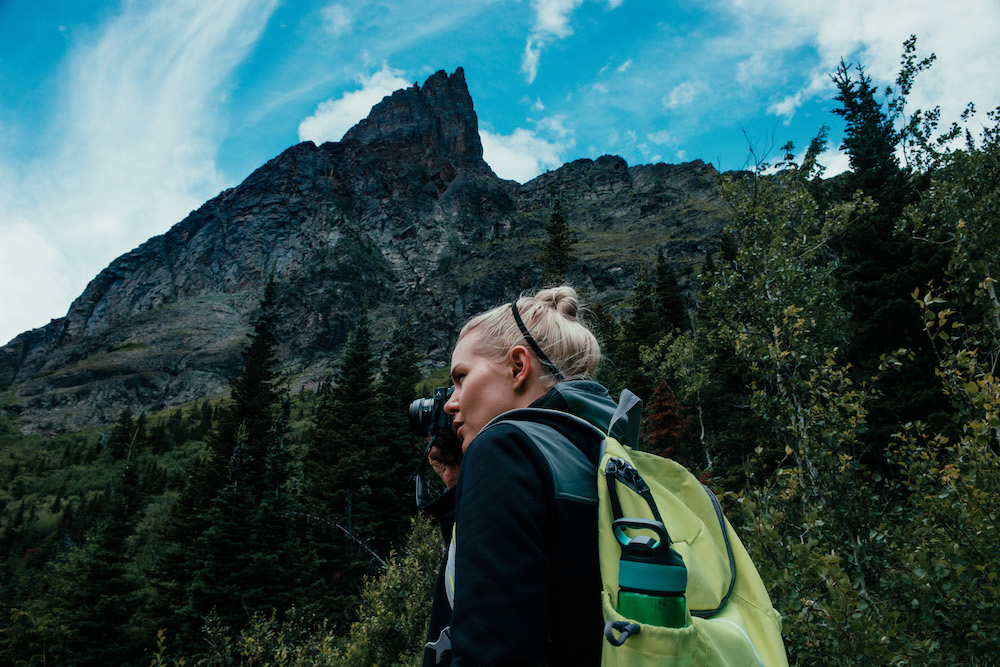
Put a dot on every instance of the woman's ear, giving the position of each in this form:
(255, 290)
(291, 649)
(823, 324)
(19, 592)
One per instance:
(520, 365)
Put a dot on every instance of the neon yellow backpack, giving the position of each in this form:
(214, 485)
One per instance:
(729, 617)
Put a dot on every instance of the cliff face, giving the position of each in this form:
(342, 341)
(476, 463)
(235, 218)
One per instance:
(402, 212)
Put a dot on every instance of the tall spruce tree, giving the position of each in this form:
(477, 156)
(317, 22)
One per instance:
(641, 328)
(236, 546)
(557, 252)
(880, 269)
(345, 451)
(670, 309)
(397, 389)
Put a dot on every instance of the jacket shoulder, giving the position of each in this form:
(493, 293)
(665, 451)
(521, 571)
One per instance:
(569, 446)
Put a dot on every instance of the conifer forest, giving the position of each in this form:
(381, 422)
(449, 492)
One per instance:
(830, 373)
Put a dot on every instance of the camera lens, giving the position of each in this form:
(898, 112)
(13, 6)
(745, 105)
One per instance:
(421, 414)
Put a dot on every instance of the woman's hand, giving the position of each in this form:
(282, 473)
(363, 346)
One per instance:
(445, 464)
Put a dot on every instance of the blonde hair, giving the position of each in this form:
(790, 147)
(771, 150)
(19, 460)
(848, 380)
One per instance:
(552, 318)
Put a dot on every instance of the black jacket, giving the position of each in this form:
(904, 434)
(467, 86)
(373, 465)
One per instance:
(527, 581)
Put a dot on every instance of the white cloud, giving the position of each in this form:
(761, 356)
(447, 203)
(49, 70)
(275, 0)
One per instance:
(35, 281)
(788, 105)
(337, 19)
(552, 22)
(683, 94)
(624, 66)
(552, 16)
(336, 116)
(754, 68)
(661, 137)
(531, 57)
(131, 151)
(555, 125)
(522, 155)
(835, 162)
(873, 34)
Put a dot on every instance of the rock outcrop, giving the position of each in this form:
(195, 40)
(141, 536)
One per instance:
(402, 212)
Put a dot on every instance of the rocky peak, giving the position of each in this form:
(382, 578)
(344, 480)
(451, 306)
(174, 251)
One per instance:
(435, 125)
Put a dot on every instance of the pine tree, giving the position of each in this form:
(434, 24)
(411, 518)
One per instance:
(672, 313)
(123, 435)
(880, 269)
(870, 137)
(346, 450)
(397, 389)
(236, 545)
(641, 328)
(557, 253)
(608, 333)
(247, 426)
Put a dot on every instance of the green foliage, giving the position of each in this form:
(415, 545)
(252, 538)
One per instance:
(895, 563)
(818, 533)
(767, 316)
(392, 619)
(389, 630)
(899, 570)
(879, 268)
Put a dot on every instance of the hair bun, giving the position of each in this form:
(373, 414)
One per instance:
(563, 299)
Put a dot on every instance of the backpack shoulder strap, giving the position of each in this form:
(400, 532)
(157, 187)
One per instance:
(572, 471)
(630, 408)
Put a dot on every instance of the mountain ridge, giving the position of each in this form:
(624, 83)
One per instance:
(402, 212)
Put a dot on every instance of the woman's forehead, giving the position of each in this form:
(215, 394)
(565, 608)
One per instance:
(466, 349)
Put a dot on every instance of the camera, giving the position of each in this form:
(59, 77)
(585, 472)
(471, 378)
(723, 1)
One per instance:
(427, 415)
(428, 418)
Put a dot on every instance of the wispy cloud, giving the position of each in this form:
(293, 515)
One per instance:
(135, 148)
(788, 105)
(552, 16)
(683, 94)
(337, 19)
(552, 22)
(336, 116)
(661, 137)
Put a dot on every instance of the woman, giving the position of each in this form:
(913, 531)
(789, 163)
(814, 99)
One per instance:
(524, 558)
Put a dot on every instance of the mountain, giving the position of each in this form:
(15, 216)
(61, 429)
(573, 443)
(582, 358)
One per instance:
(402, 212)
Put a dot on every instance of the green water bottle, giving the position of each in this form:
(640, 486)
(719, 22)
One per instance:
(652, 577)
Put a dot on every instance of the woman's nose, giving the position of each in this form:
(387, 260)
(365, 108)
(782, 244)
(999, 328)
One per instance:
(451, 405)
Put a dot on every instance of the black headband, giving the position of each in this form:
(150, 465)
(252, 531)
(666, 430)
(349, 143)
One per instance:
(534, 346)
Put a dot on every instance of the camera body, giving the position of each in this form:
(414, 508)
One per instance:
(428, 418)
(427, 415)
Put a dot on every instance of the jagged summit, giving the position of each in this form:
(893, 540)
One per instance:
(402, 213)
(435, 124)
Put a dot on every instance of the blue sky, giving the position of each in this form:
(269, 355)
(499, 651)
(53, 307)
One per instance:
(117, 118)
